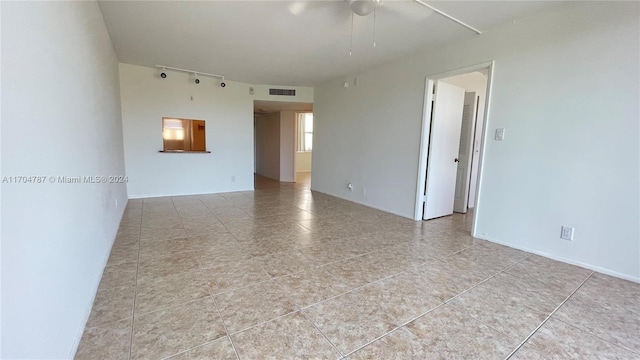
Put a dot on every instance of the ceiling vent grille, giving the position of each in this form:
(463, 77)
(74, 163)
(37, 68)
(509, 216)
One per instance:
(282, 92)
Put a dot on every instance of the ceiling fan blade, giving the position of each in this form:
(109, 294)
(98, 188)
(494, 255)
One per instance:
(334, 9)
(408, 9)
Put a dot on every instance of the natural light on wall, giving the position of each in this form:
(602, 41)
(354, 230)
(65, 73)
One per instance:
(173, 129)
(305, 132)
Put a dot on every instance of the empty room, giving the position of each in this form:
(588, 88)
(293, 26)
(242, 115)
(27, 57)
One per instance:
(344, 179)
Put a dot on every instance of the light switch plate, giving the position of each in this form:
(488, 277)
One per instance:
(500, 134)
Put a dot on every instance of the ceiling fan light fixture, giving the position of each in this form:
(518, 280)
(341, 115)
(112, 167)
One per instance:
(362, 7)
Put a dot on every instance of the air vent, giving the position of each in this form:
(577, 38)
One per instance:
(282, 92)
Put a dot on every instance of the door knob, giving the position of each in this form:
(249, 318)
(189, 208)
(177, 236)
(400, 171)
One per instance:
(456, 160)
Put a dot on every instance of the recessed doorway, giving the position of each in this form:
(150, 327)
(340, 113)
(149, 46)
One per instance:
(283, 142)
(456, 107)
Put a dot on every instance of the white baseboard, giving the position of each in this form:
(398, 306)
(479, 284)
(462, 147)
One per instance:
(144, 196)
(565, 260)
(363, 204)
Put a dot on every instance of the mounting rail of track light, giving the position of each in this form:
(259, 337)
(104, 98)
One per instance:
(195, 74)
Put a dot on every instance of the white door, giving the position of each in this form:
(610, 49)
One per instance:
(465, 152)
(444, 142)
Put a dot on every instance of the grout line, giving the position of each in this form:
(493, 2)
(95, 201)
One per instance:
(135, 288)
(263, 322)
(226, 330)
(430, 310)
(323, 335)
(548, 317)
(394, 329)
(299, 309)
(203, 277)
(195, 347)
(598, 336)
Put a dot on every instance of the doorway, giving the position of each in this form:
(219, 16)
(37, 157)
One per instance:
(276, 142)
(456, 106)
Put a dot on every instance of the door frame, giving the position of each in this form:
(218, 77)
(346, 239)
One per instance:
(425, 132)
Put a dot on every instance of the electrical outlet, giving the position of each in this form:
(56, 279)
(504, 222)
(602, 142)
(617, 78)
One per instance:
(233, 178)
(364, 191)
(566, 233)
(350, 186)
(116, 203)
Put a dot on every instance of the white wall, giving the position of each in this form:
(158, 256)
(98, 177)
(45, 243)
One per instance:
(228, 113)
(268, 145)
(60, 117)
(303, 161)
(287, 146)
(473, 82)
(566, 89)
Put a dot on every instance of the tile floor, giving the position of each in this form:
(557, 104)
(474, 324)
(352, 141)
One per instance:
(283, 273)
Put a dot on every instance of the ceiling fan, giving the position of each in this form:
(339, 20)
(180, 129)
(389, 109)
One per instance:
(408, 9)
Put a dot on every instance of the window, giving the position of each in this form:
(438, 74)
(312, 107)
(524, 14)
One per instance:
(305, 132)
(183, 135)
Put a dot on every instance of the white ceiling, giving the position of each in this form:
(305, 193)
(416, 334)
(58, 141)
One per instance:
(263, 42)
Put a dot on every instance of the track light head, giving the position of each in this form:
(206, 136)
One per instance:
(222, 84)
(163, 75)
(197, 81)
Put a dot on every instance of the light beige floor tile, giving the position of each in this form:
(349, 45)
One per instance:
(119, 274)
(399, 345)
(390, 261)
(550, 272)
(612, 292)
(111, 304)
(324, 252)
(311, 286)
(351, 320)
(530, 292)
(220, 349)
(109, 341)
(174, 264)
(454, 335)
(267, 246)
(484, 267)
(154, 234)
(169, 247)
(446, 280)
(526, 352)
(153, 224)
(357, 273)
(286, 262)
(162, 292)
(401, 297)
(124, 252)
(170, 331)
(288, 337)
(220, 254)
(234, 275)
(252, 305)
(557, 340)
(616, 324)
(499, 311)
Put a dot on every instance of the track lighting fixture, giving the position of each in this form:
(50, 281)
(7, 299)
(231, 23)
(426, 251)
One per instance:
(195, 75)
